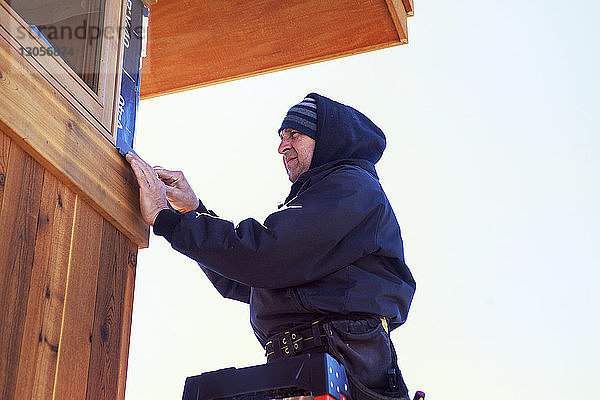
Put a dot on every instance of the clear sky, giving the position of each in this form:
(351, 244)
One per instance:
(491, 114)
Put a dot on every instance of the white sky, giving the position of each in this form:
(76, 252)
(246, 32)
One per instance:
(491, 114)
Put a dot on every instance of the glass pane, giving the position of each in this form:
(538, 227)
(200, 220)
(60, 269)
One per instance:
(71, 28)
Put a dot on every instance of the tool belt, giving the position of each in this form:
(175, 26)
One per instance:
(316, 339)
(304, 338)
(296, 341)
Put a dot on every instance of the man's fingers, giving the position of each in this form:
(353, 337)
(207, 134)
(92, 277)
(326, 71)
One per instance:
(144, 169)
(171, 192)
(165, 174)
(141, 163)
(152, 190)
(132, 156)
(139, 174)
(150, 174)
(172, 178)
(155, 177)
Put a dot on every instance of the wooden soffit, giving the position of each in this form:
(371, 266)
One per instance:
(194, 43)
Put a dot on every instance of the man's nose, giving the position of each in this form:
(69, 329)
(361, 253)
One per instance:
(284, 146)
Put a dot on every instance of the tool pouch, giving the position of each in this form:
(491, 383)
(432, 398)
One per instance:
(366, 351)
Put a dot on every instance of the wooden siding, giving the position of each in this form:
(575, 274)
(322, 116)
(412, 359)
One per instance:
(198, 43)
(66, 288)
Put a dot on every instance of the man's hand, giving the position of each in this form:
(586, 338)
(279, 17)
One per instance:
(153, 197)
(179, 192)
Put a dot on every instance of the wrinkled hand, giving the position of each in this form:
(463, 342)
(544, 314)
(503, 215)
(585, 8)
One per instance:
(179, 192)
(153, 197)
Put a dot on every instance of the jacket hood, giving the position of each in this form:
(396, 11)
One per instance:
(344, 133)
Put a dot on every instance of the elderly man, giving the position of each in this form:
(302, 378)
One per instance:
(327, 269)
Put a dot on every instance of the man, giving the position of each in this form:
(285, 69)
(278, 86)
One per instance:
(326, 272)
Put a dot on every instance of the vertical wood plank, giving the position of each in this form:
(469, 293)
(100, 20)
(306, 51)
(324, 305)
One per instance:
(106, 338)
(75, 341)
(39, 348)
(4, 150)
(18, 222)
(131, 250)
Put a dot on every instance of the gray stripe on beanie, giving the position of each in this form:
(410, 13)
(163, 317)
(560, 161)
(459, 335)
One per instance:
(304, 111)
(310, 125)
(309, 102)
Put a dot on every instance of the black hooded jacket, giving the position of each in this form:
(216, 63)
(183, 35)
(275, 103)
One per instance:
(333, 248)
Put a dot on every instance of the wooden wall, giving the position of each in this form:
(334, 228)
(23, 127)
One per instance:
(66, 288)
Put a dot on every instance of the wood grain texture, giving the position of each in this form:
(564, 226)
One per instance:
(196, 43)
(108, 317)
(130, 249)
(75, 341)
(4, 150)
(65, 143)
(18, 223)
(41, 337)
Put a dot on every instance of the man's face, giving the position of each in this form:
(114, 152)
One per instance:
(297, 150)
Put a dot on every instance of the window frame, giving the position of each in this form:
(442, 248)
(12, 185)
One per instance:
(98, 108)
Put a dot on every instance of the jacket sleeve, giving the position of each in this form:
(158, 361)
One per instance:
(228, 288)
(327, 227)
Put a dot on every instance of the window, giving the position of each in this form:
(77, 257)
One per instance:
(71, 28)
(75, 44)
